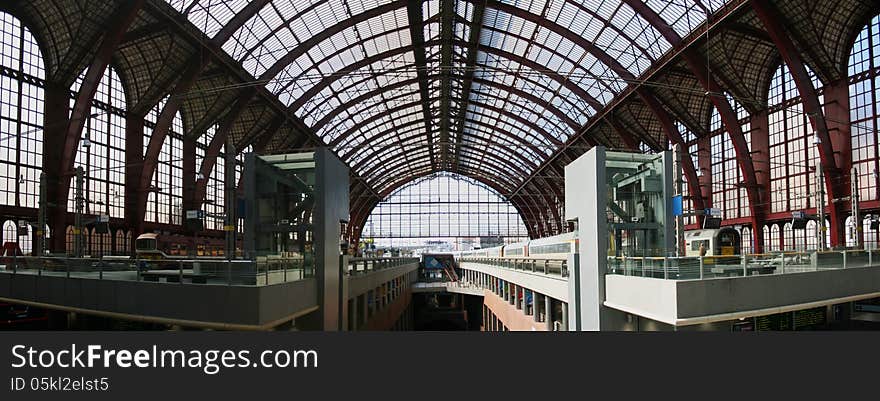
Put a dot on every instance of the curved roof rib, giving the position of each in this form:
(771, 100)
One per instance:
(400, 89)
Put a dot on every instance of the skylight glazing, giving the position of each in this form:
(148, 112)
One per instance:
(348, 69)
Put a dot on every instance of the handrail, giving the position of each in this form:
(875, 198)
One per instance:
(357, 266)
(778, 262)
(549, 266)
(198, 271)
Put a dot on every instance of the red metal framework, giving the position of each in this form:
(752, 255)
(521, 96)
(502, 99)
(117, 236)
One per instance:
(504, 92)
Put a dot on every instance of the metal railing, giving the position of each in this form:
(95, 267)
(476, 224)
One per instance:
(357, 266)
(241, 272)
(702, 267)
(556, 267)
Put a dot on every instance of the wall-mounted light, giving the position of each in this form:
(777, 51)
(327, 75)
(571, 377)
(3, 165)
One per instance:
(199, 176)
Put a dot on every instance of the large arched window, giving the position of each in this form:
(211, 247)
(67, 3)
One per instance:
(20, 234)
(215, 194)
(727, 193)
(788, 237)
(747, 241)
(445, 207)
(101, 149)
(21, 114)
(690, 150)
(864, 62)
(775, 238)
(871, 234)
(793, 153)
(165, 199)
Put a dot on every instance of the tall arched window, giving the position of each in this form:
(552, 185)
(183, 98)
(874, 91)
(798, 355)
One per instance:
(864, 62)
(119, 247)
(165, 199)
(747, 240)
(793, 154)
(775, 238)
(239, 169)
(215, 194)
(727, 193)
(69, 240)
(788, 237)
(850, 233)
(811, 240)
(445, 207)
(21, 114)
(871, 234)
(690, 150)
(101, 149)
(11, 233)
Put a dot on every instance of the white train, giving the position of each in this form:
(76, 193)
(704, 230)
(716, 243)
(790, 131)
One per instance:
(724, 241)
(555, 247)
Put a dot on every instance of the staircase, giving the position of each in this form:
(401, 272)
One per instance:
(449, 269)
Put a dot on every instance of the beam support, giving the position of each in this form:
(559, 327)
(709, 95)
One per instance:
(447, 14)
(835, 183)
(467, 82)
(122, 19)
(417, 34)
(699, 68)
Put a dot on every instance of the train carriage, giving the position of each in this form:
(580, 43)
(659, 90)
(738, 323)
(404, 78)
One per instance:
(725, 241)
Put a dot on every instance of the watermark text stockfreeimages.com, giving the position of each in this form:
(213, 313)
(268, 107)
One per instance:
(209, 361)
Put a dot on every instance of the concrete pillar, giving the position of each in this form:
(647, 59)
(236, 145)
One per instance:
(548, 309)
(517, 301)
(535, 305)
(564, 316)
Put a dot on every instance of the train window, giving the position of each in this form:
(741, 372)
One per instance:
(514, 251)
(551, 248)
(727, 239)
(145, 244)
(695, 245)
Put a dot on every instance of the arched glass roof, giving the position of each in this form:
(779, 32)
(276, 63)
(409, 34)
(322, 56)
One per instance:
(398, 88)
(445, 205)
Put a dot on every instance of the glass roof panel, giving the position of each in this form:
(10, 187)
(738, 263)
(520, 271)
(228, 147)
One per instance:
(535, 85)
(210, 15)
(282, 25)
